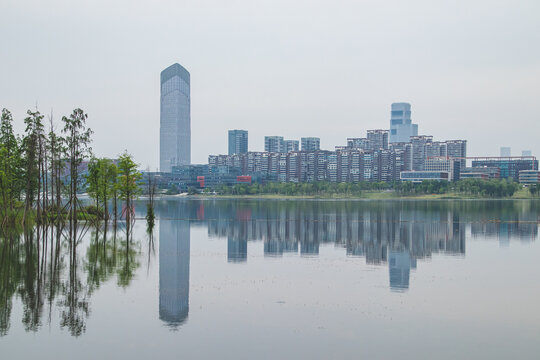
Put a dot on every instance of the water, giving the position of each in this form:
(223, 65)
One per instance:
(287, 279)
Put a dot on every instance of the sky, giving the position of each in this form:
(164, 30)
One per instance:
(470, 69)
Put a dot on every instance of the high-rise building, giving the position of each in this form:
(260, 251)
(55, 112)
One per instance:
(238, 142)
(506, 151)
(419, 151)
(378, 139)
(526, 153)
(401, 126)
(290, 145)
(457, 149)
(175, 118)
(310, 143)
(274, 144)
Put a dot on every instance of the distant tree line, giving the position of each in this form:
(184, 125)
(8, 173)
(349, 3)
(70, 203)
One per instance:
(479, 188)
(40, 173)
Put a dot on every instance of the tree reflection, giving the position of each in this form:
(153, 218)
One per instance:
(50, 269)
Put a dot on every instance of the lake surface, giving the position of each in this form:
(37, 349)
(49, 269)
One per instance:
(280, 279)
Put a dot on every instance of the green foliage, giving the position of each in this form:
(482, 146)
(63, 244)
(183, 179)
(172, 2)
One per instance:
(128, 178)
(31, 155)
(33, 184)
(470, 187)
(298, 189)
(173, 190)
(77, 145)
(534, 189)
(101, 182)
(10, 166)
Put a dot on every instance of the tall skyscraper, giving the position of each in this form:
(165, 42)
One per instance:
(175, 118)
(238, 142)
(401, 126)
(310, 143)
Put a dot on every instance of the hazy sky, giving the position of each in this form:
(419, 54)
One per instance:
(470, 69)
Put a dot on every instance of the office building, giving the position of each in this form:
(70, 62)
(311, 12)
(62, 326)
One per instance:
(450, 165)
(419, 176)
(528, 177)
(175, 118)
(238, 142)
(401, 126)
(485, 173)
(274, 144)
(310, 143)
(509, 167)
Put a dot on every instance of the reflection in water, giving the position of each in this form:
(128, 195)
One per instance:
(237, 244)
(53, 272)
(174, 243)
(392, 232)
(399, 265)
(51, 276)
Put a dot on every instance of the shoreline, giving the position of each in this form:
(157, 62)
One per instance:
(367, 196)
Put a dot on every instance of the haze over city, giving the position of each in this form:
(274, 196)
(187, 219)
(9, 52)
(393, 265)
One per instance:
(310, 68)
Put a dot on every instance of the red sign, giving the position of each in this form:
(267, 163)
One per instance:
(243, 179)
(200, 180)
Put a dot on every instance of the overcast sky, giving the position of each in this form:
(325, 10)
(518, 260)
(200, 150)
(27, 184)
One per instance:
(470, 69)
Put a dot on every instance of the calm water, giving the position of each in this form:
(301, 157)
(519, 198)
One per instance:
(281, 279)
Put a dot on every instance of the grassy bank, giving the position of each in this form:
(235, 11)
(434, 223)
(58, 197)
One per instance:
(377, 195)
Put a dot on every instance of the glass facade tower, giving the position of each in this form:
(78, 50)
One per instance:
(238, 142)
(401, 126)
(175, 118)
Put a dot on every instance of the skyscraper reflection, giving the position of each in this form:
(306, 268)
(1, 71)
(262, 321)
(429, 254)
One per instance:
(174, 252)
(399, 266)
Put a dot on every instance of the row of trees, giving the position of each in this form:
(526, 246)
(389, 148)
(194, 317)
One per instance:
(108, 181)
(495, 188)
(40, 172)
(472, 187)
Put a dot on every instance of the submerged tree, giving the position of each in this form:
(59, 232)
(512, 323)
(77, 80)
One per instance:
(55, 145)
(77, 146)
(31, 158)
(151, 188)
(101, 181)
(9, 166)
(128, 187)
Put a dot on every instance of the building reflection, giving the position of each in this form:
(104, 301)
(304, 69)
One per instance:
(400, 264)
(174, 253)
(392, 235)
